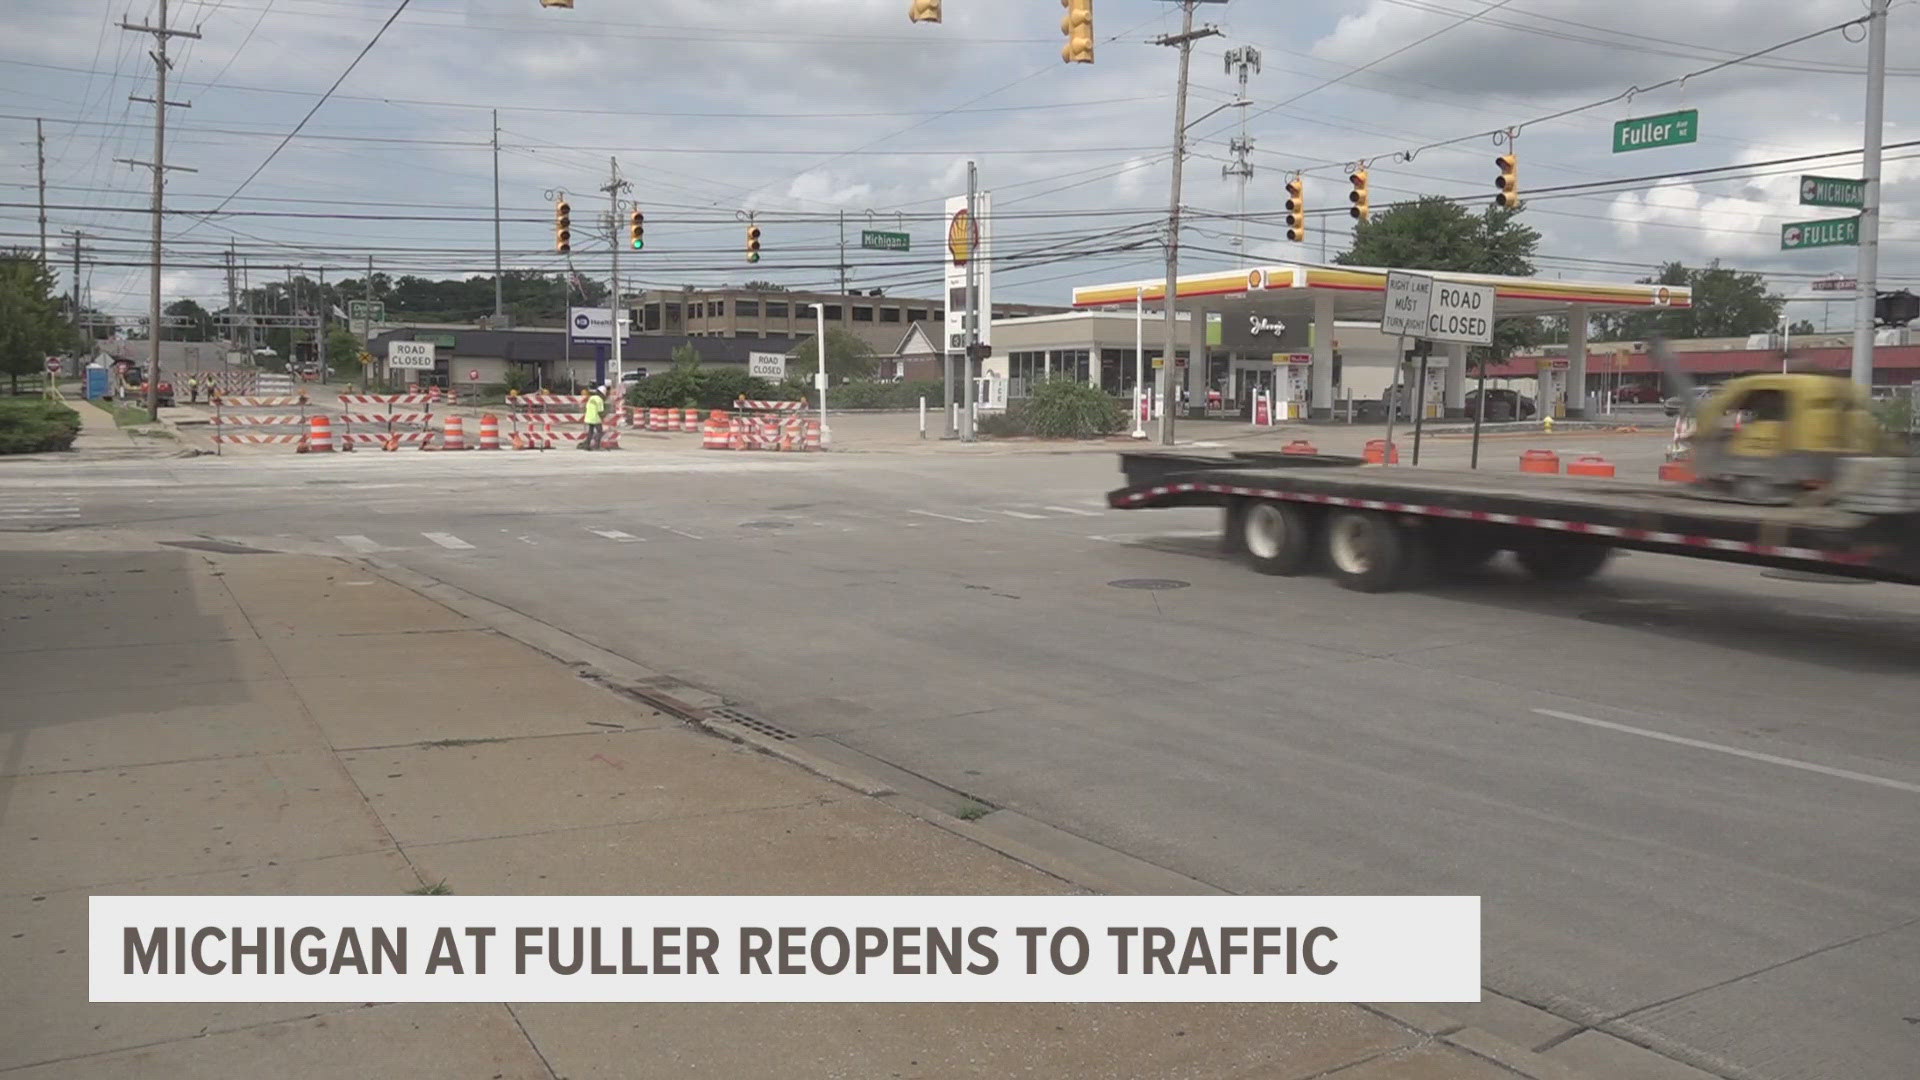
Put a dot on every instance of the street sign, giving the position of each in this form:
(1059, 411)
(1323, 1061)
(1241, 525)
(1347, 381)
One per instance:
(1461, 313)
(1833, 232)
(876, 240)
(767, 365)
(473, 375)
(367, 310)
(1648, 132)
(1833, 191)
(1409, 299)
(410, 355)
(1836, 284)
(53, 365)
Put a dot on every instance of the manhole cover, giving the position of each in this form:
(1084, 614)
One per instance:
(1813, 578)
(218, 547)
(1148, 583)
(766, 524)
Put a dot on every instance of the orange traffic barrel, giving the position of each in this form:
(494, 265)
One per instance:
(656, 419)
(1540, 461)
(736, 434)
(1590, 465)
(454, 436)
(489, 432)
(1380, 451)
(714, 436)
(320, 435)
(690, 420)
(813, 435)
(1300, 446)
(1678, 472)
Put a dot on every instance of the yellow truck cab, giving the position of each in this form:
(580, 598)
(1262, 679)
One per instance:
(1783, 431)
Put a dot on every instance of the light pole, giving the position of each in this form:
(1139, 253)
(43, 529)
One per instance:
(1139, 360)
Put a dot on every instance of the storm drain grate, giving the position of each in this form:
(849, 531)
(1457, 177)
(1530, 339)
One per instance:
(752, 723)
(1149, 583)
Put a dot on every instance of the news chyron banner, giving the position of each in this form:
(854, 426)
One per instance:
(785, 949)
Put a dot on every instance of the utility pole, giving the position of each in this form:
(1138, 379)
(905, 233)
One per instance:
(1184, 39)
(1243, 58)
(614, 187)
(320, 333)
(366, 325)
(498, 324)
(1867, 288)
(231, 313)
(843, 252)
(973, 303)
(40, 151)
(78, 334)
(162, 33)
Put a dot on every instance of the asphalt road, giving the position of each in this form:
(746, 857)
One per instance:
(1690, 794)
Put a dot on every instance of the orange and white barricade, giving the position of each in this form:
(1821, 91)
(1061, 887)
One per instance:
(256, 421)
(714, 435)
(774, 425)
(391, 420)
(537, 420)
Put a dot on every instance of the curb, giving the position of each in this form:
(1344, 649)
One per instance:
(1074, 860)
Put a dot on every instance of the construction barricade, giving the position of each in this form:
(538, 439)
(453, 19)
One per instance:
(767, 425)
(252, 421)
(395, 420)
(545, 421)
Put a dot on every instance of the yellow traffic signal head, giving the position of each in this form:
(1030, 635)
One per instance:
(637, 229)
(1078, 26)
(562, 227)
(1358, 196)
(1507, 184)
(924, 11)
(1296, 210)
(753, 243)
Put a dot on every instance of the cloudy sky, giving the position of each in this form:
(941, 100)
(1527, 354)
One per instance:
(800, 111)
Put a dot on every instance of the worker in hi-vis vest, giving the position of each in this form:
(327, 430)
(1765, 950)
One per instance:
(596, 413)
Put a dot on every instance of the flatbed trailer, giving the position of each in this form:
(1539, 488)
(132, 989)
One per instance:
(1377, 528)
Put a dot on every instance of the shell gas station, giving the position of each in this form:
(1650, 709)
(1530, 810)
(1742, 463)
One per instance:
(1285, 326)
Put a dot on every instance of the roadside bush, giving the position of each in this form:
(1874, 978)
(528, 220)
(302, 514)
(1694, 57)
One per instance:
(704, 388)
(870, 394)
(1068, 409)
(31, 427)
(1003, 425)
(1895, 414)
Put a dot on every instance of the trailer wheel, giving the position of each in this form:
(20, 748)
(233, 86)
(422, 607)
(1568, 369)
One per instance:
(1366, 552)
(1277, 537)
(1563, 559)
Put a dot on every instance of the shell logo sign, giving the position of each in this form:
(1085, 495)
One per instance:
(961, 238)
(1256, 279)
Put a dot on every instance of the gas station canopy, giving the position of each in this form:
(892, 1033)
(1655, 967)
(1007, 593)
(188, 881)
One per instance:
(1358, 292)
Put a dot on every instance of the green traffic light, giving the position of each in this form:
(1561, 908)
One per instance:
(638, 244)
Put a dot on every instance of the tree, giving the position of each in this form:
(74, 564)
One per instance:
(757, 285)
(198, 326)
(1802, 328)
(31, 328)
(1726, 303)
(343, 351)
(1436, 233)
(685, 356)
(848, 355)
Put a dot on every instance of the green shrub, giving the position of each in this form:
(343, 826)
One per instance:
(1069, 409)
(704, 388)
(869, 394)
(1003, 425)
(32, 427)
(1895, 413)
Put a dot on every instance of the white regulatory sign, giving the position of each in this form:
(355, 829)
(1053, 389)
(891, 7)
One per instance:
(1409, 300)
(410, 355)
(1461, 313)
(767, 365)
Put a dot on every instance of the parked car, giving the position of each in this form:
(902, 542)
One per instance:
(1673, 405)
(1638, 394)
(1502, 405)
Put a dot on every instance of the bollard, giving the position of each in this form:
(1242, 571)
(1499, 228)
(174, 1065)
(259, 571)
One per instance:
(1300, 446)
(1590, 465)
(1540, 461)
(489, 432)
(454, 436)
(1381, 452)
(320, 435)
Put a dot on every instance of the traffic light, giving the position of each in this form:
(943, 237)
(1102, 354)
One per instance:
(1358, 196)
(1507, 184)
(753, 243)
(1895, 308)
(1296, 210)
(1078, 26)
(562, 227)
(924, 11)
(637, 229)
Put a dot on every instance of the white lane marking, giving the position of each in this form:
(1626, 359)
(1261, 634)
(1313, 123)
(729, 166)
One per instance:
(1750, 755)
(947, 517)
(448, 540)
(1024, 516)
(1071, 510)
(363, 545)
(38, 511)
(671, 529)
(616, 534)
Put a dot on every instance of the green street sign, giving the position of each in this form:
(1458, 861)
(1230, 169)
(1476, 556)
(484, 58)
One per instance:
(1832, 191)
(1647, 132)
(1833, 232)
(885, 241)
(376, 310)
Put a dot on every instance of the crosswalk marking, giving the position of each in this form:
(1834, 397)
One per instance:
(948, 517)
(1071, 510)
(363, 545)
(448, 540)
(617, 535)
(66, 510)
(1024, 515)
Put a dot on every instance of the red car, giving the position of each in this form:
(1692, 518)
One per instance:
(1639, 395)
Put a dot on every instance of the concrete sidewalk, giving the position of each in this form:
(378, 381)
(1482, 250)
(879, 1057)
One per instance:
(208, 722)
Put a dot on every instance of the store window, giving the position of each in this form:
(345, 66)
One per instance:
(776, 309)
(862, 314)
(890, 314)
(746, 307)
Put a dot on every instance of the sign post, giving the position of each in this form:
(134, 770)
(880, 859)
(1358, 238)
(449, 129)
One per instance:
(1650, 132)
